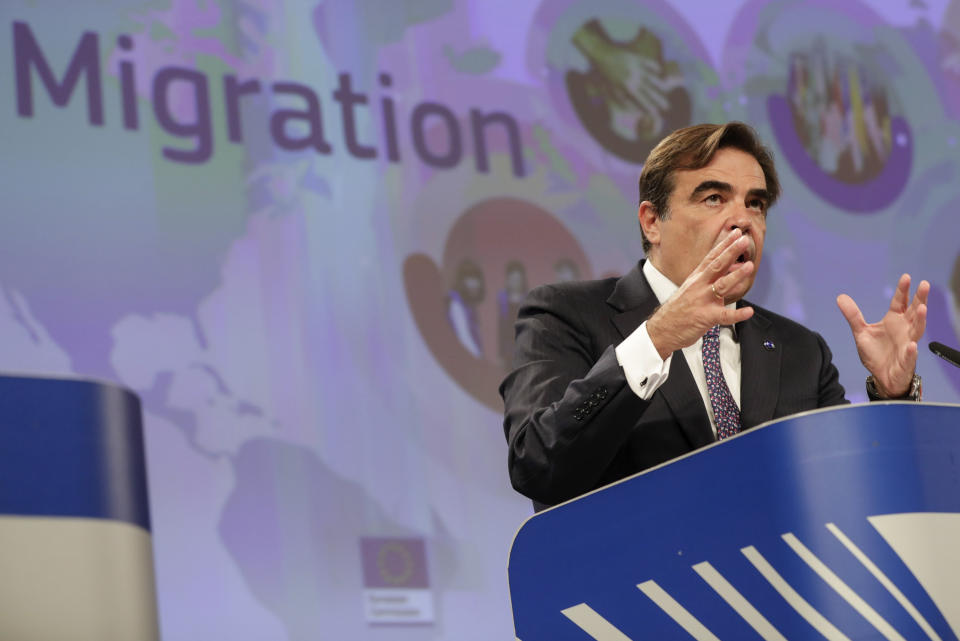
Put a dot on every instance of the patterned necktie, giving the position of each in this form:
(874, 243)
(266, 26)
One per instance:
(725, 410)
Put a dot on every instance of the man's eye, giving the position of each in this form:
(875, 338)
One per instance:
(757, 204)
(713, 198)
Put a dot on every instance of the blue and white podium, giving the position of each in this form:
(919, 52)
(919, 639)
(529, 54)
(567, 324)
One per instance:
(76, 560)
(834, 524)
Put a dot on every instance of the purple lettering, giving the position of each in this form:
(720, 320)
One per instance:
(181, 103)
(347, 99)
(389, 120)
(128, 87)
(232, 91)
(199, 128)
(311, 116)
(454, 147)
(479, 122)
(85, 60)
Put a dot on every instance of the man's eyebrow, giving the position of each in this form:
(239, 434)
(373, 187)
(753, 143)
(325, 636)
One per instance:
(759, 193)
(711, 185)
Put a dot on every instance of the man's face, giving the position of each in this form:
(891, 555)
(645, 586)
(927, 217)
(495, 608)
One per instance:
(705, 205)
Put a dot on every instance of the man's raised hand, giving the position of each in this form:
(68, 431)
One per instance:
(888, 349)
(699, 303)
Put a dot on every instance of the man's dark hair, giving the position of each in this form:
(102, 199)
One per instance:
(693, 148)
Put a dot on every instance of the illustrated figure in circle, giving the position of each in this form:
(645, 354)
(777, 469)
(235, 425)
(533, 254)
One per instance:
(465, 296)
(840, 113)
(470, 333)
(631, 94)
(566, 271)
(509, 300)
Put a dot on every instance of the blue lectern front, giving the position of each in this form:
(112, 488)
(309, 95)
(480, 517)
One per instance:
(76, 559)
(834, 524)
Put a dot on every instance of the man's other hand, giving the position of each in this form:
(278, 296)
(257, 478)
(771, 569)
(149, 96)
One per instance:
(888, 349)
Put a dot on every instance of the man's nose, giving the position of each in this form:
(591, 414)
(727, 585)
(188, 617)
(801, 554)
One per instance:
(740, 219)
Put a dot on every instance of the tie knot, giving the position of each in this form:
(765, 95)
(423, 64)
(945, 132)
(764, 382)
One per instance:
(713, 332)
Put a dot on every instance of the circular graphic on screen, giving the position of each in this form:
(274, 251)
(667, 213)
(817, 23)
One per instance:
(830, 79)
(840, 114)
(625, 72)
(948, 59)
(465, 306)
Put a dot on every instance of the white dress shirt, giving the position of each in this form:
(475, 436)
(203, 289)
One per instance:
(644, 369)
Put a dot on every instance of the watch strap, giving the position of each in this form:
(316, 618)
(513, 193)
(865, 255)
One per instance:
(914, 392)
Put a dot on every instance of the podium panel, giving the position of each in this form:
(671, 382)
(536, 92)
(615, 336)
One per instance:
(76, 559)
(841, 523)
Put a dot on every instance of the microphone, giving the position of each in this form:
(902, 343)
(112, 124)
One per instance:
(948, 354)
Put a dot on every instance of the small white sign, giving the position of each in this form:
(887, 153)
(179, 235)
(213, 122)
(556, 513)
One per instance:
(398, 605)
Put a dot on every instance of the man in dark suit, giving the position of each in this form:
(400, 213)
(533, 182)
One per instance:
(615, 376)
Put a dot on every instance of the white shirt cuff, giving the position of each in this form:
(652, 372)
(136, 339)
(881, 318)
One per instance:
(644, 369)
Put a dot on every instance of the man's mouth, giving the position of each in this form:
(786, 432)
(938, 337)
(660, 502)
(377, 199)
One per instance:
(746, 256)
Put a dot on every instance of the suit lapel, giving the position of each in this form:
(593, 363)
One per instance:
(635, 302)
(760, 351)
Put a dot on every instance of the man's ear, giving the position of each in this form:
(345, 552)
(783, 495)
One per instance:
(649, 222)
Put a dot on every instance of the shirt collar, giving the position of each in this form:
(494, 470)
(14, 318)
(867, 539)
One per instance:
(663, 288)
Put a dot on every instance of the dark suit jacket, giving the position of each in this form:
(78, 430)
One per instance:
(571, 420)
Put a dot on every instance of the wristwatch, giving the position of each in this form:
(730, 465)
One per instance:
(915, 393)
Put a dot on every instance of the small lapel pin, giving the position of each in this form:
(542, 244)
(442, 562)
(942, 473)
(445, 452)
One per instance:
(768, 345)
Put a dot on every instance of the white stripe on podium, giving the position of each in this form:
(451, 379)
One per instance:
(797, 602)
(737, 601)
(884, 581)
(590, 621)
(841, 588)
(677, 612)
